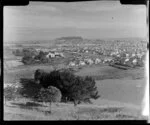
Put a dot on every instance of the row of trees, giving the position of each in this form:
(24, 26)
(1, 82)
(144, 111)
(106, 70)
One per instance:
(38, 58)
(25, 52)
(30, 56)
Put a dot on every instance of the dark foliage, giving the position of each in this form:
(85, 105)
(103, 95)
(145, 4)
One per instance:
(32, 57)
(74, 88)
(50, 94)
(29, 88)
(25, 52)
(27, 60)
(18, 52)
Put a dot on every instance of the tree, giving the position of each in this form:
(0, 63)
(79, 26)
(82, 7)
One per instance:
(74, 88)
(42, 57)
(27, 60)
(83, 90)
(50, 94)
(29, 52)
(18, 52)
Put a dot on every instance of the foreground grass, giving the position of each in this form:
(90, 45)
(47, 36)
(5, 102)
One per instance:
(28, 110)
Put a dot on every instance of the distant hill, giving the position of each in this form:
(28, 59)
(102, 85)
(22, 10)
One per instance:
(75, 40)
(69, 40)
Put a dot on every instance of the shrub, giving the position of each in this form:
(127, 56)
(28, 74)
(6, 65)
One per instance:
(27, 60)
(83, 90)
(18, 52)
(41, 57)
(50, 94)
(29, 52)
(28, 55)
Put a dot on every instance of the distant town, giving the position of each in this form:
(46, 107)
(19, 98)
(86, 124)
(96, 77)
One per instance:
(77, 52)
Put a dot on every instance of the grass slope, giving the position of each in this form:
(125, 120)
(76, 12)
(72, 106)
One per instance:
(27, 110)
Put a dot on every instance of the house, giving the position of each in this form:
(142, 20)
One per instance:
(97, 60)
(58, 54)
(127, 55)
(89, 61)
(108, 59)
(72, 64)
(126, 60)
(50, 55)
(134, 61)
(118, 55)
(112, 53)
(82, 63)
(133, 55)
(139, 55)
(86, 51)
(61, 54)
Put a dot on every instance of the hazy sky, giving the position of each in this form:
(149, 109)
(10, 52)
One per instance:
(97, 19)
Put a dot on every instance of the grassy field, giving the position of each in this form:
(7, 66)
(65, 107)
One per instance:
(118, 96)
(106, 110)
(121, 95)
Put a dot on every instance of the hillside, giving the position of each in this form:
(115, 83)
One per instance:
(69, 40)
(106, 110)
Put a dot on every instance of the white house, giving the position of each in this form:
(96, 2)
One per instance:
(118, 55)
(50, 55)
(86, 51)
(134, 61)
(61, 54)
(97, 60)
(126, 60)
(133, 55)
(107, 59)
(82, 63)
(72, 64)
(127, 55)
(90, 61)
(139, 55)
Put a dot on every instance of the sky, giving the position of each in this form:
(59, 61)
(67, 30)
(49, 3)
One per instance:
(93, 19)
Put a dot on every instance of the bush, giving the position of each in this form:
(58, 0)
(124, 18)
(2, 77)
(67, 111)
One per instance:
(41, 57)
(29, 52)
(74, 88)
(28, 55)
(83, 90)
(25, 52)
(11, 93)
(50, 94)
(18, 52)
(27, 60)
